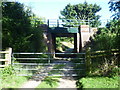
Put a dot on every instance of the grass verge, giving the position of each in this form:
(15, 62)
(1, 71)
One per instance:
(9, 79)
(99, 82)
(13, 81)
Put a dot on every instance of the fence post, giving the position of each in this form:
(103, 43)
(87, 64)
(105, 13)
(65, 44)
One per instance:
(49, 57)
(88, 61)
(8, 56)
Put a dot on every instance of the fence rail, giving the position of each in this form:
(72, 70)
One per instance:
(47, 53)
(105, 51)
(44, 63)
(95, 54)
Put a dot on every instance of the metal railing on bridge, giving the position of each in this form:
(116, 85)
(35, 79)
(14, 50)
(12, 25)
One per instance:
(66, 22)
(72, 22)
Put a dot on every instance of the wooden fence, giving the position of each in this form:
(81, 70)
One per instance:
(95, 54)
(5, 57)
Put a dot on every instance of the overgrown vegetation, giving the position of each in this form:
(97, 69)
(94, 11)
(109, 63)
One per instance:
(20, 28)
(98, 82)
(59, 43)
(9, 78)
(105, 70)
(106, 39)
(21, 31)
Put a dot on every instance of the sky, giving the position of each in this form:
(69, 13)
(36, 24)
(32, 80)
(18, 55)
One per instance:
(50, 9)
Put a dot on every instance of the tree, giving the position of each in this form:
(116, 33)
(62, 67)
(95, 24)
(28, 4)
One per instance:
(83, 11)
(15, 25)
(115, 7)
(115, 26)
(17, 28)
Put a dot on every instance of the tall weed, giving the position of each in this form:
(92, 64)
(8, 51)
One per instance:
(7, 71)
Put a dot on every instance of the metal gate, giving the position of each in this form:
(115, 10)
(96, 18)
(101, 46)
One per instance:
(44, 64)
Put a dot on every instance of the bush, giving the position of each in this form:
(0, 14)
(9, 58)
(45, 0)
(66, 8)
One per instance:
(10, 79)
(105, 66)
(99, 82)
(7, 71)
(104, 41)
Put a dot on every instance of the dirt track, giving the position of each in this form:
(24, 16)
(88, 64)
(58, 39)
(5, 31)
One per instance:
(66, 82)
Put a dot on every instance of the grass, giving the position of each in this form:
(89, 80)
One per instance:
(13, 81)
(99, 82)
(9, 79)
(55, 72)
(60, 66)
(49, 82)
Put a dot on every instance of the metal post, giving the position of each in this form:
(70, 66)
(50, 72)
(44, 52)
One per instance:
(12, 59)
(0, 33)
(48, 22)
(49, 57)
(57, 23)
(0, 28)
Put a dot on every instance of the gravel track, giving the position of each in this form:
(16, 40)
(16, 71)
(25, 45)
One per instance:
(65, 82)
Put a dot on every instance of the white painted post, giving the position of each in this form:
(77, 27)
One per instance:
(8, 56)
(78, 43)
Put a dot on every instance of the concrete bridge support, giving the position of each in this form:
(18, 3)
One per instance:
(77, 43)
(86, 32)
(48, 38)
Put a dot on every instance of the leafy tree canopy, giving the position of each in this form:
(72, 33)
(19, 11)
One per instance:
(115, 7)
(19, 28)
(114, 25)
(83, 11)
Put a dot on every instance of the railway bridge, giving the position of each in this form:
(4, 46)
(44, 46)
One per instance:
(81, 32)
